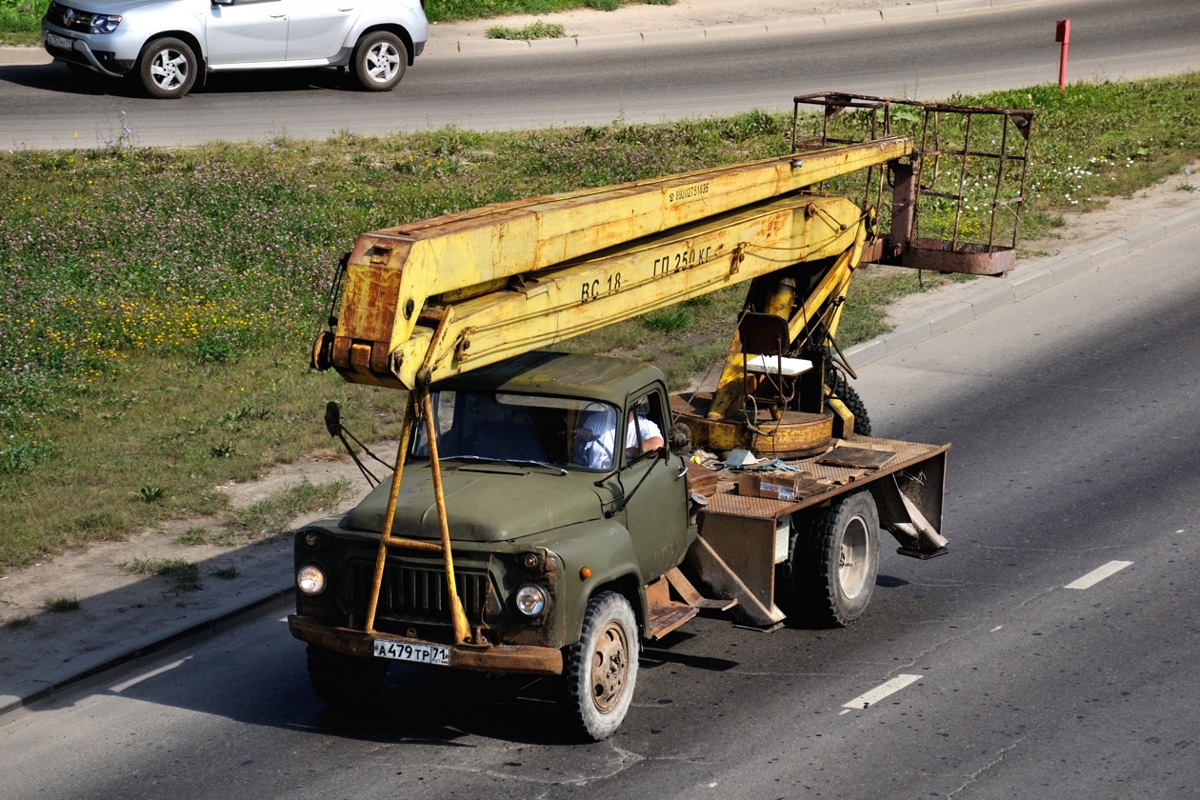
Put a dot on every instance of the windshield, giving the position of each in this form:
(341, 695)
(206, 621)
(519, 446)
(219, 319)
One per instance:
(558, 431)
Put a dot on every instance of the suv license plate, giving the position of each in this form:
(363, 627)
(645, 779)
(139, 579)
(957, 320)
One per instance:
(420, 653)
(61, 42)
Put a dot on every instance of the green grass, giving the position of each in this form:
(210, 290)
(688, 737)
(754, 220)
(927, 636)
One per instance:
(59, 605)
(21, 21)
(182, 575)
(159, 305)
(536, 30)
(450, 10)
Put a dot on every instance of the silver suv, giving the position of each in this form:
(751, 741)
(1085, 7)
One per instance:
(169, 44)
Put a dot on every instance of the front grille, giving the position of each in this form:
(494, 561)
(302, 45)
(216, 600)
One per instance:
(70, 18)
(60, 15)
(419, 594)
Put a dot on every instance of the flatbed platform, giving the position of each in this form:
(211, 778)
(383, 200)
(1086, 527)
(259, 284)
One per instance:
(745, 527)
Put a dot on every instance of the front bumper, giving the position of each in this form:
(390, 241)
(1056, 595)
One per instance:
(482, 658)
(69, 46)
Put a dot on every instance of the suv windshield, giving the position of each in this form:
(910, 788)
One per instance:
(557, 431)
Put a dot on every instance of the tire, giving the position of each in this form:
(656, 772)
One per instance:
(168, 68)
(834, 564)
(379, 61)
(345, 683)
(601, 668)
(849, 397)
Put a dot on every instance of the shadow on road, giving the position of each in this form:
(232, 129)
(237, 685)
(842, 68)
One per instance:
(59, 78)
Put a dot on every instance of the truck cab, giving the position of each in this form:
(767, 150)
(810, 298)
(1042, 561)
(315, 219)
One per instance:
(560, 496)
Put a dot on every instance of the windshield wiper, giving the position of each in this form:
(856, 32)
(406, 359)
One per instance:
(528, 462)
(516, 462)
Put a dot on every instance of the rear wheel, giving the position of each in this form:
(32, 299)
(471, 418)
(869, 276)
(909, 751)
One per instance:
(601, 668)
(344, 683)
(833, 568)
(168, 68)
(849, 396)
(380, 60)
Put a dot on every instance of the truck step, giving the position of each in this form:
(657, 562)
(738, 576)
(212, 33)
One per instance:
(666, 614)
(665, 620)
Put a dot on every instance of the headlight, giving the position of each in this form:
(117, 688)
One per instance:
(104, 23)
(531, 599)
(310, 580)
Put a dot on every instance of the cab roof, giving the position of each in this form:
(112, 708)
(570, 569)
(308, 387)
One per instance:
(562, 374)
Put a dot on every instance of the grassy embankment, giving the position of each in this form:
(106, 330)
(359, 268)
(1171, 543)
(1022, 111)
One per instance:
(158, 305)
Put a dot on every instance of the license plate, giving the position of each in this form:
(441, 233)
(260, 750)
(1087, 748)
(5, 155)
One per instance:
(407, 651)
(61, 42)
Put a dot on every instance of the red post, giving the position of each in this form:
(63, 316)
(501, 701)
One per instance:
(1062, 33)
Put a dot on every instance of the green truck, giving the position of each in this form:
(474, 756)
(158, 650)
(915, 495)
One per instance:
(562, 566)
(549, 512)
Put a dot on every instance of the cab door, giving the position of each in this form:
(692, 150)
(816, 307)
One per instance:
(318, 28)
(656, 515)
(247, 32)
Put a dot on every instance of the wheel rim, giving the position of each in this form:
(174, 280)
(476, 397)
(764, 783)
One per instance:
(610, 667)
(853, 565)
(382, 62)
(169, 69)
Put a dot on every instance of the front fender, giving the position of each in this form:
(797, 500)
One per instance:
(593, 554)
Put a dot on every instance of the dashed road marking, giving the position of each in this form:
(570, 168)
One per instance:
(1097, 575)
(880, 692)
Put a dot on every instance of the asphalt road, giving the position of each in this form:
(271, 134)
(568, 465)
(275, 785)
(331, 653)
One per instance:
(1052, 652)
(626, 76)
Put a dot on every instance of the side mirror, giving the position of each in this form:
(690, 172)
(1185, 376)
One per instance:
(222, 2)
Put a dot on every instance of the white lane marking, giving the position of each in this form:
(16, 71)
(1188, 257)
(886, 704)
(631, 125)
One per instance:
(1097, 575)
(883, 690)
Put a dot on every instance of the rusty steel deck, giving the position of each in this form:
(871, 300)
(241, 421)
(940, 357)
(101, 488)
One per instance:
(831, 479)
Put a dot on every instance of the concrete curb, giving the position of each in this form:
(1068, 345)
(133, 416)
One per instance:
(1021, 283)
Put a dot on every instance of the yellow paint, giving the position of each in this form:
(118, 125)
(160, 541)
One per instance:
(689, 228)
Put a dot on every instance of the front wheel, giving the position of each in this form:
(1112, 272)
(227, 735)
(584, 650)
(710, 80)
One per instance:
(168, 68)
(601, 668)
(380, 60)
